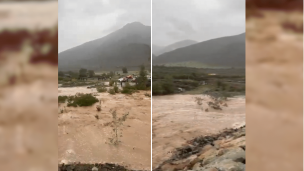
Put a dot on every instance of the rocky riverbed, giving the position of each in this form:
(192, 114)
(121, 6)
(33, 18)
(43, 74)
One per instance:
(225, 151)
(100, 167)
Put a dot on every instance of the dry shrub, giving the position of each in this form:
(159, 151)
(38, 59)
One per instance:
(117, 130)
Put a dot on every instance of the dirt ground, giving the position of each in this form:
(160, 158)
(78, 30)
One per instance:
(83, 138)
(178, 118)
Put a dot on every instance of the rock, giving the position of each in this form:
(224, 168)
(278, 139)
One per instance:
(225, 165)
(170, 167)
(236, 154)
(209, 159)
(196, 166)
(206, 148)
(184, 161)
(211, 169)
(232, 143)
(217, 142)
(221, 152)
(208, 153)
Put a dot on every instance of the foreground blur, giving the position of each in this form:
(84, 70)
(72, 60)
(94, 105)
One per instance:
(274, 85)
(28, 81)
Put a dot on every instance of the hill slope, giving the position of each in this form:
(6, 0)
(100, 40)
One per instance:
(156, 48)
(173, 46)
(225, 51)
(129, 46)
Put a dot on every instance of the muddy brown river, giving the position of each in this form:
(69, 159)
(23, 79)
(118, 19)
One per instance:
(178, 118)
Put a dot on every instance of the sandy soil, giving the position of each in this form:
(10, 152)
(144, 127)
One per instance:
(178, 118)
(82, 138)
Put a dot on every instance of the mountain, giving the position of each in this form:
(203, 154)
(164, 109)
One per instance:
(129, 46)
(156, 48)
(225, 52)
(173, 46)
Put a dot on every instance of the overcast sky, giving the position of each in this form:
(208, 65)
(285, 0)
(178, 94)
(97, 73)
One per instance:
(81, 21)
(200, 20)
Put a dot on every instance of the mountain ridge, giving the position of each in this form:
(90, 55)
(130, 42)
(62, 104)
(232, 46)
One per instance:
(223, 51)
(173, 46)
(110, 51)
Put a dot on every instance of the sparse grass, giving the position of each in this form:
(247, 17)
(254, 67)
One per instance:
(97, 117)
(147, 94)
(81, 99)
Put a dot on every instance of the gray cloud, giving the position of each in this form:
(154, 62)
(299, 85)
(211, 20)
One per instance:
(82, 21)
(200, 20)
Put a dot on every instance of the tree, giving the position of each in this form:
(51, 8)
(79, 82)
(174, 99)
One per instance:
(83, 72)
(60, 74)
(73, 74)
(142, 79)
(124, 70)
(91, 73)
(168, 85)
(111, 74)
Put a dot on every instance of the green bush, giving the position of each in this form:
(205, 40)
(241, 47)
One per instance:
(128, 89)
(111, 91)
(156, 88)
(142, 79)
(101, 89)
(111, 82)
(232, 89)
(116, 89)
(82, 100)
(141, 87)
(163, 88)
(168, 87)
(62, 99)
(219, 83)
